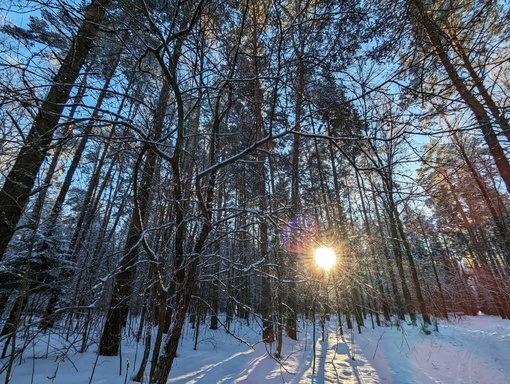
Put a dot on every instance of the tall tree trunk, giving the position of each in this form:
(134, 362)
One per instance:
(21, 178)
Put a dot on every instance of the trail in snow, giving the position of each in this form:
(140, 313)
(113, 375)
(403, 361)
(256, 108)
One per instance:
(472, 350)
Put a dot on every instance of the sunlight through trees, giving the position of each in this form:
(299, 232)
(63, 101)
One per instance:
(170, 165)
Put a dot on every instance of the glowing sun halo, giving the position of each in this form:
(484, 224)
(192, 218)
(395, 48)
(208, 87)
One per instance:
(325, 258)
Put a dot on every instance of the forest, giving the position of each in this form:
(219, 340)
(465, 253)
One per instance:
(173, 162)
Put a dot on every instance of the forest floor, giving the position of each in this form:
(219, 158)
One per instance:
(463, 350)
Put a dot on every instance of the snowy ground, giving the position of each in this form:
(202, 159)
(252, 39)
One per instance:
(470, 350)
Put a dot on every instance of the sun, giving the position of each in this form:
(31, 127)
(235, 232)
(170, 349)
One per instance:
(325, 258)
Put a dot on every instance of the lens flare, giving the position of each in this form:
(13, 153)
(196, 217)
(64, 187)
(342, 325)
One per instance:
(298, 234)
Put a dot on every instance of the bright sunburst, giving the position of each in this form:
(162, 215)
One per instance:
(325, 258)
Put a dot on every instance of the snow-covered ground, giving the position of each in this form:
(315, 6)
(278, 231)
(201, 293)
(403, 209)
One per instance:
(467, 350)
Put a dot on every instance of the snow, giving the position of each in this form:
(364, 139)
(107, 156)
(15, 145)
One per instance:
(465, 350)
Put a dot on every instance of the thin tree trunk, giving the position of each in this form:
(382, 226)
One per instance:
(183, 296)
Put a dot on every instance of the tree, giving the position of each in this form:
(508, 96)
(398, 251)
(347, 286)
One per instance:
(448, 178)
(18, 184)
(442, 43)
(199, 159)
